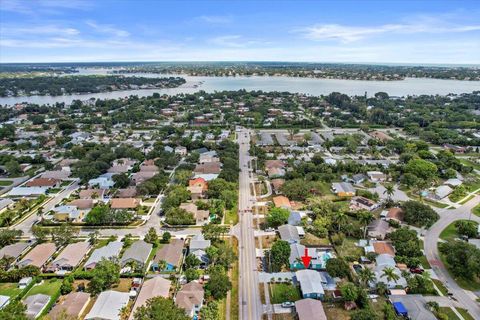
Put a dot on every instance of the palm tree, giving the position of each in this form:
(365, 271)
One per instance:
(389, 191)
(390, 275)
(365, 217)
(366, 276)
(340, 219)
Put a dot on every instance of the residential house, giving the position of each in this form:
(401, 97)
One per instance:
(137, 253)
(68, 213)
(6, 203)
(295, 218)
(24, 282)
(309, 309)
(70, 257)
(109, 251)
(38, 256)
(43, 182)
(196, 193)
(277, 184)
(73, 305)
(4, 300)
(141, 176)
(198, 182)
(201, 216)
(320, 256)
(382, 247)
(190, 298)
(362, 203)
(383, 261)
(171, 254)
(151, 288)
(453, 182)
(129, 204)
(381, 136)
(126, 193)
(27, 192)
(207, 157)
(291, 234)
(181, 151)
(310, 284)
(343, 189)
(395, 214)
(282, 202)
(442, 192)
(198, 246)
(378, 229)
(275, 172)
(104, 181)
(35, 305)
(14, 250)
(92, 194)
(208, 168)
(108, 306)
(453, 148)
(56, 174)
(376, 176)
(411, 306)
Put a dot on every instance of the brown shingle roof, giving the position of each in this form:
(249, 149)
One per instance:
(171, 252)
(123, 203)
(208, 168)
(82, 204)
(155, 287)
(42, 182)
(89, 193)
(281, 201)
(309, 309)
(73, 305)
(190, 295)
(39, 255)
(382, 247)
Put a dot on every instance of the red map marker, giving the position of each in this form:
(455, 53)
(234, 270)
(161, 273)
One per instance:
(306, 259)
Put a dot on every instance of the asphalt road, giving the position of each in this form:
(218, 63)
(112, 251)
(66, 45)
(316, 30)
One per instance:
(447, 216)
(250, 306)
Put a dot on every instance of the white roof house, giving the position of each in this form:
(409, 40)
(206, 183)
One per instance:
(27, 191)
(109, 251)
(383, 261)
(198, 242)
(4, 300)
(443, 191)
(310, 282)
(35, 304)
(108, 306)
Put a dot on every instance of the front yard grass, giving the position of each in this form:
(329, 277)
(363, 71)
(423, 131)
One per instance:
(49, 287)
(476, 210)
(467, 284)
(282, 292)
(449, 233)
(440, 286)
(5, 183)
(9, 289)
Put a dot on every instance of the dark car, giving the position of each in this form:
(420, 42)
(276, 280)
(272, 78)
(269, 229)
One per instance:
(417, 270)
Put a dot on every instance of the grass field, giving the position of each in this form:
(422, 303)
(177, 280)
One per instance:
(449, 233)
(476, 210)
(348, 248)
(282, 292)
(5, 183)
(48, 287)
(9, 289)
(467, 284)
(234, 278)
(440, 286)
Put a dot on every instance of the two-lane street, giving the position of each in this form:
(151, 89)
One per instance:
(251, 307)
(448, 216)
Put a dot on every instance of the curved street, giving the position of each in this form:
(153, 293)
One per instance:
(447, 216)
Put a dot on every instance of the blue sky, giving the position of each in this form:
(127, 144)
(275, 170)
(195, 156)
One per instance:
(316, 31)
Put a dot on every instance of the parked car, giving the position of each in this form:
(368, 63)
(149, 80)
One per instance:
(417, 270)
(288, 304)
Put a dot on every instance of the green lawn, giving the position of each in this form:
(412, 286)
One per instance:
(5, 183)
(348, 248)
(440, 286)
(465, 314)
(282, 292)
(424, 262)
(449, 312)
(449, 233)
(9, 289)
(49, 287)
(476, 210)
(470, 163)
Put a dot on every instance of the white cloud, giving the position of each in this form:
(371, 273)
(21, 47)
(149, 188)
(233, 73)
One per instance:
(346, 33)
(38, 30)
(107, 29)
(234, 41)
(29, 7)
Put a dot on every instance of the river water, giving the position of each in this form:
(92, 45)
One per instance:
(409, 86)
